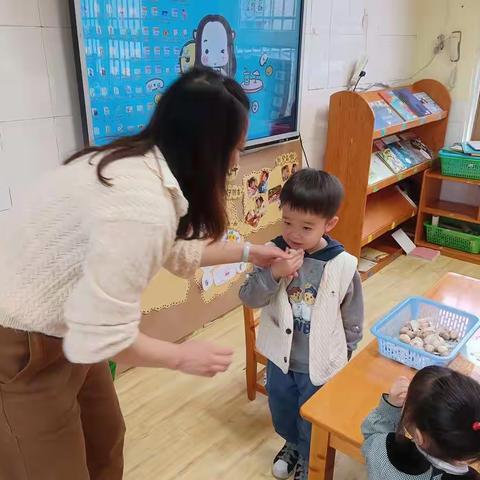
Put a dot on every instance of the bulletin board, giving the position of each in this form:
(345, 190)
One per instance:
(174, 308)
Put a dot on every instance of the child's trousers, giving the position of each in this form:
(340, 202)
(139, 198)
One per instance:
(58, 421)
(286, 394)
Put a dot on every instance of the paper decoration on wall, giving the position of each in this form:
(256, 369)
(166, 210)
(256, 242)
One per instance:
(164, 291)
(215, 281)
(255, 198)
(262, 193)
(286, 158)
(232, 173)
(234, 192)
(246, 217)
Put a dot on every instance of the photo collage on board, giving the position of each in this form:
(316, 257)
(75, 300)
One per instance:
(262, 189)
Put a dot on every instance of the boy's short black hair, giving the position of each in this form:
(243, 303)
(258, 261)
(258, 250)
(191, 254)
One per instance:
(313, 191)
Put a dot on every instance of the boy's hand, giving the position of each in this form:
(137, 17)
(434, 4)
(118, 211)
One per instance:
(289, 267)
(398, 392)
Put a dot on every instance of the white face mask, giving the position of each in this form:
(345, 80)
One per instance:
(444, 466)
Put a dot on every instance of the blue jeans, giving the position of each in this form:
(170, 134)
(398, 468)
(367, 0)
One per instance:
(286, 394)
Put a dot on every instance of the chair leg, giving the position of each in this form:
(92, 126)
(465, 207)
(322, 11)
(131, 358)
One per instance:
(251, 376)
(250, 360)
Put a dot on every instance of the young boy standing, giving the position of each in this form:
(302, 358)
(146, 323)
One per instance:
(311, 323)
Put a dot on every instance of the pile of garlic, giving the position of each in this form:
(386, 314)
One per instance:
(423, 335)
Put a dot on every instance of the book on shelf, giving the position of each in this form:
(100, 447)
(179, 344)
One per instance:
(455, 152)
(389, 158)
(372, 254)
(473, 152)
(471, 148)
(384, 114)
(428, 102)
(398, 105)
(413, 102)
(474, 144)
(393, 142)
(365, 265)
(421, 151)
(378, 170)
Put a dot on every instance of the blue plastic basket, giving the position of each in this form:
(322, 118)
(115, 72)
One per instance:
(387, 331)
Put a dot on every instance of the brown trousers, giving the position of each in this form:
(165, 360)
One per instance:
(58, 421)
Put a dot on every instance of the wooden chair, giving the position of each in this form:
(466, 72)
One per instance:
(254, 376)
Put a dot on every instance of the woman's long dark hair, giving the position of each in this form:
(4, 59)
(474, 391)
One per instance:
(444, 405)
(197, 125)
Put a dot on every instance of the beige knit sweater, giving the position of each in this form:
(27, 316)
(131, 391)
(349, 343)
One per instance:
(76, 256)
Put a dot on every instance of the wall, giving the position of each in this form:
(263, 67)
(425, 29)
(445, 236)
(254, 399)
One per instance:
(39, 114)
(338, 32)
(39, 95)
(445, 16)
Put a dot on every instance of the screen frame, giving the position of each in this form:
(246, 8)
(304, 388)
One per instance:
(84, 98)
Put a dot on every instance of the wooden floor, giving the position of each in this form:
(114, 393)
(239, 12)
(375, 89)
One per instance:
(186, 428)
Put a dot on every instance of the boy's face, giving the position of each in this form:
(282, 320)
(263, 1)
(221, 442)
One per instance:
(303, 230)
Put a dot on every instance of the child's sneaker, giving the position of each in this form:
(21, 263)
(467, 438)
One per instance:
(301, 470)
(285, 461)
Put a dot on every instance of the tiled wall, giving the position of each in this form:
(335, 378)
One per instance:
(39, 111)
(338, 32)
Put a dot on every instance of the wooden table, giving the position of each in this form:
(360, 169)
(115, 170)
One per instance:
(339, 408)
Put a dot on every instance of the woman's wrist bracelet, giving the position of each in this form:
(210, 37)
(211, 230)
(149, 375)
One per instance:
(246, 252)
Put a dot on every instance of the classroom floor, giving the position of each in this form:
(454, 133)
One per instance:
(186, 428)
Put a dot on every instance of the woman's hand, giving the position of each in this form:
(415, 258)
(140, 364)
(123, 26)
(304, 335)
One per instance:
(398, 392)
(203, 359)
(265, 255)
(195, 358)
(289, 267)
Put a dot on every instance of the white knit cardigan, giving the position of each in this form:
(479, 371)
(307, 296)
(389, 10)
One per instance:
(328, 345)
(76, 257)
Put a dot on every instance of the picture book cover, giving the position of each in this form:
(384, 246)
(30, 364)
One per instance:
(385, 116)
(378, 170)
(413, 102)
(405, 155)
(413, 143)
(389, 158)
(390, 139)
(398, 105)
(428, 102)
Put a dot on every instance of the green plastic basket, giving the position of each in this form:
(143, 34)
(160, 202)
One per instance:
(450, 238)
(458, 165)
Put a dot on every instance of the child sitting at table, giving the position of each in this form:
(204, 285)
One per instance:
(310, 323)
(427, 430)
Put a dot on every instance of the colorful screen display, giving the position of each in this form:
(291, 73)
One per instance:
(130, 51)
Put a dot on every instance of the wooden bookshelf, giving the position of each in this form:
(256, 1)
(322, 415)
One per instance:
(459, 211)
(384, 244)
(371, 212)
(432, 205)
(385, 210)
(409, 125)
(375, 187)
